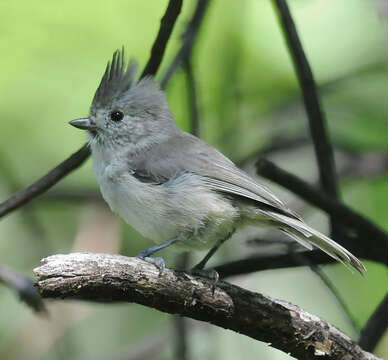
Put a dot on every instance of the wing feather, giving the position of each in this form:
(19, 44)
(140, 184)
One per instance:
(185, 153)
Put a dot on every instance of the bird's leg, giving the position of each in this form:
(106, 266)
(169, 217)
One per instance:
(210, 273)
(211, 252)
(157, 261)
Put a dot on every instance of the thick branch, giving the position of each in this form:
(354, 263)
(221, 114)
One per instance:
(103, 277)
(166, 26)
(375, 241)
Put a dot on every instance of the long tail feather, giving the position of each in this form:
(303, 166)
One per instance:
(308, 236)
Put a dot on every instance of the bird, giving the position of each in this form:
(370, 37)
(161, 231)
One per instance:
(171, 186)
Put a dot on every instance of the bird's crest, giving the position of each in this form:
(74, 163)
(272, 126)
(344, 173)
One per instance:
(117, 80)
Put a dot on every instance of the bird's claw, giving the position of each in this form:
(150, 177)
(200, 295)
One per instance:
(157, 261)
(210, 274)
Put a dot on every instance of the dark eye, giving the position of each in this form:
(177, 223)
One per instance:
(116, 115)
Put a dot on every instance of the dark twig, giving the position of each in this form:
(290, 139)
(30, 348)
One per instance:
(103, 277)
(77, 159)
(181, 323)
(325, 157)
(375, 327)
(292, 250)
(375, 241)
(73, 194)
(193, 102)
(181, 336)
(269, 262)
(188, 41)
(36, 227)
(331, 287)
(277, 144)
(323, 149)
(45, 182)
(364, 164)
(23, 286)
(318, 128)
(166, 26)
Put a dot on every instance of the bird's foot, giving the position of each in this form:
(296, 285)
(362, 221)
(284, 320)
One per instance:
(209, 274)
(157, 261)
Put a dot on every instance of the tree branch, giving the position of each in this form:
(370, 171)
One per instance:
(37, 188)
(188, 41)
(270, 262)
(323, 149)
(77, 159)
(166, 26)
(375, 246)
(193, 101)
(103, 277)
(23, 287)
(375, 327)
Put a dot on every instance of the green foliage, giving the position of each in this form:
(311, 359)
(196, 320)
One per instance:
(52, 58)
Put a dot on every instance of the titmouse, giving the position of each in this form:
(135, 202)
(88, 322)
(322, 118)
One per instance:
(171, 186)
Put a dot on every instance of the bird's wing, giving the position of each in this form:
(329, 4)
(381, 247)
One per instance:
(185, 153)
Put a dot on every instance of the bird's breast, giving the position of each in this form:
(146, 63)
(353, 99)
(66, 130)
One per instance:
(180, 207)
(137, 203)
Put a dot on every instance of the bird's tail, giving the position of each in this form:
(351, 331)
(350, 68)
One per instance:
(310, 237)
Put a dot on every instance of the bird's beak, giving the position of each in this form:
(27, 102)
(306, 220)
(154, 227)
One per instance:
(84, 124)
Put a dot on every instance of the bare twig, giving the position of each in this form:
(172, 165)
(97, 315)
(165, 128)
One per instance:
(166, 26)
(188, 41)
(36, 228)
(318, 128)
(323, 149)
(332, 288)
(269, 262)
(357, 164)
(375, 245)
(193, 102)
(375, 327)
(77, 159)
(182, 348)
(45, 182)
(73, 194)
(181, 328)
(23, 286)
(276, 144)
(181, 324)
(103, 277)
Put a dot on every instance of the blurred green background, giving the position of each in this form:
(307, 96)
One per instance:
(53, 54)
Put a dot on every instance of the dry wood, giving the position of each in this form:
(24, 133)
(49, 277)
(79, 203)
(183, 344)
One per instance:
(103, 277)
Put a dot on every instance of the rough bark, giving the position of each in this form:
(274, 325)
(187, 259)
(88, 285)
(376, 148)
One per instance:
(103, 277)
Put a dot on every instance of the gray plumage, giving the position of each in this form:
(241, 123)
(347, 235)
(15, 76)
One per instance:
(167, 183)
(115, 81)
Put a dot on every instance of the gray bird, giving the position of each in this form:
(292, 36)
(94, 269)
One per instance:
(171, 186)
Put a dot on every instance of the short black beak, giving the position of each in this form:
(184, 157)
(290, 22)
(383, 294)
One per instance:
(84, 124)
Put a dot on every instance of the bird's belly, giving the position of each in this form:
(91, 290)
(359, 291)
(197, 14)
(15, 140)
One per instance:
(178, 208)
(140, 208)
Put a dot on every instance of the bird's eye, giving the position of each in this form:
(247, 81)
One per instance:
(116, 115)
